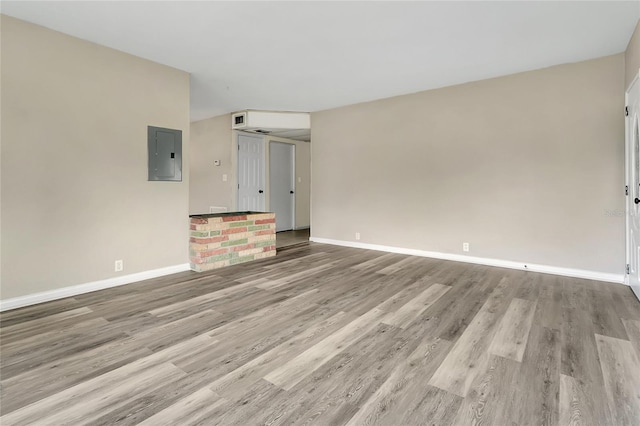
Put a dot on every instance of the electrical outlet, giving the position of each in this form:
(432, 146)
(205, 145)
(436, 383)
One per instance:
(119, 265)
(357, 236)
(465, 246)
(224, 177)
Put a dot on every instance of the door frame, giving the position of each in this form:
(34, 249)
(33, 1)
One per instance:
(627, 178)
(293, 179)
(236, 185)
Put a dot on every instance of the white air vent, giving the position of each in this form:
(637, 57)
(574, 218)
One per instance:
(239, 120)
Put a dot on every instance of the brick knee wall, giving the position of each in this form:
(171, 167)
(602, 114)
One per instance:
(217, 242)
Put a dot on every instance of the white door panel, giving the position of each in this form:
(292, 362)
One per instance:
(282, 184)
(251, 173)
(633, 185)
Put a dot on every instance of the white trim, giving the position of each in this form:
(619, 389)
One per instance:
(46, 296)
(545, 269)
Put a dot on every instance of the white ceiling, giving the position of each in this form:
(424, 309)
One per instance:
(309, 56)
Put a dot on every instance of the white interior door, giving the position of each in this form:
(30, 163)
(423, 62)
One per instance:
(282, 184)
(633, 186)
(251, 175)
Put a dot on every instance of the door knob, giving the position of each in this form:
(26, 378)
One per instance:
(260, 191)
(290, 192)
(637, 200)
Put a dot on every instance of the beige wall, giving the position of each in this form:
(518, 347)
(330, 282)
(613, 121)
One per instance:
(632, 57)
(211, 140)
(75, 195)
(527, 167)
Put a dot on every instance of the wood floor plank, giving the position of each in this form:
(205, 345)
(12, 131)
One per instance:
(331, 394)
(618, 360)
(402, 393)
(363, 298)
(191, 410)
(245, 339)
(413, 308)
(626, 304)
(32, 342)
(451, 315)
(235, 381)
(535, 387)
(23, 328)
(279, 311)
(604, 315)
(196, 301)
(575, 404)
(436, 405)
(378, 262)
(92, 333)
(42, 310)
(469, 355)
(298, 260)
(550, 303)
(87, 401)
(490, 394)
(102, 394)
(291, 373)
(271, 284)
(257, 400)
(633, 331)
(512, 335)
(168, 334)
(530, 284)
(142, 405)
(575, 294)
(579, 357)
(580, 360)
(402, 295)
(39, 382)
(398, 265)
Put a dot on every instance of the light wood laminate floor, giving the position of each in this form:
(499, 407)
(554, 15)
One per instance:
(292, 238)
(328, 335)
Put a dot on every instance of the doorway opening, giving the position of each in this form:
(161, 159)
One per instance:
(274, 174)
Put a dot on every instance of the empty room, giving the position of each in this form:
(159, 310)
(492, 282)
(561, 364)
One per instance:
(331, 213)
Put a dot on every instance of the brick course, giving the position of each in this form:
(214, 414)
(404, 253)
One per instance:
(216, 242)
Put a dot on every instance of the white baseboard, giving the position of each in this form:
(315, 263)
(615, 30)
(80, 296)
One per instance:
(60, 293)
(545, 269)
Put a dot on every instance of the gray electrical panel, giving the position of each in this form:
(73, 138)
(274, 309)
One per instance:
(165, 154)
